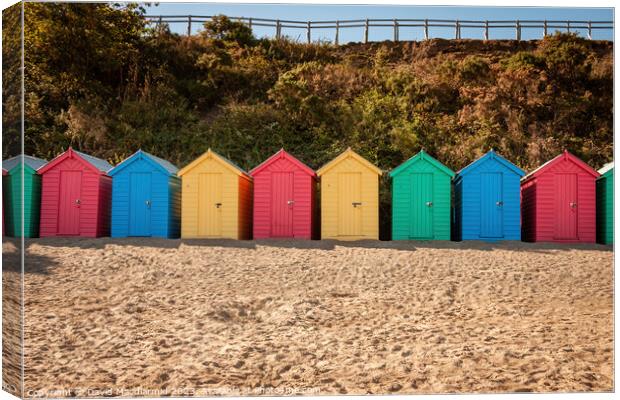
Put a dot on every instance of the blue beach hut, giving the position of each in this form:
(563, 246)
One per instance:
(146, 197)
(487, 200)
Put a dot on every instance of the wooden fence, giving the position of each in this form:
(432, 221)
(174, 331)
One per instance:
(543, 26)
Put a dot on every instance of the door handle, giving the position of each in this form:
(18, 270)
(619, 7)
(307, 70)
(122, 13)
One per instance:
(290, 202)
(356, 203)
(78, 202)
(218, 205)
(499, 203)
(148, 203)
(429, 203)
(573, 205)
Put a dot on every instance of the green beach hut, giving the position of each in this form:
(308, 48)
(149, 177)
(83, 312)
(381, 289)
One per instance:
(605, 205)
(12, 195)
(421, 193)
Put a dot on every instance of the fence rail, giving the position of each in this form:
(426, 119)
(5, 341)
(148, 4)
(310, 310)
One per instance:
(544, 26)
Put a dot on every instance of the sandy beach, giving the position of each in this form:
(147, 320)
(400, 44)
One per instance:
(115, 317)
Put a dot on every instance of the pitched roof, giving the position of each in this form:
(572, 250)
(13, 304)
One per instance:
(32, 162)
(494, 156)
(166, 166)
(94, 163)
(100, 164)
(564, 155)
(211, 154)
(606, 168)
(422, 155)
(279, 155)
(348, 153)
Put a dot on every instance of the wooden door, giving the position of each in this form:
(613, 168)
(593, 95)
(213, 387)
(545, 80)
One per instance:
(210, 204)
(566, 206)
(282, 203)
(421, 216)
(491, 205)
(140, 204)
(69, 202)
(350, 204)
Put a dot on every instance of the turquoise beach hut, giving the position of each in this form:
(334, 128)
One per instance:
(13, 195)
(421, 192)
(605, 205)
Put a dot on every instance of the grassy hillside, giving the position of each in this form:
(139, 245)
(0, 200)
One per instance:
(100, 80)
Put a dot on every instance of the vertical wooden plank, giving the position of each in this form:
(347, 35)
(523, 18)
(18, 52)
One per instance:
(336, 40)
(395, 30)
(366, 31)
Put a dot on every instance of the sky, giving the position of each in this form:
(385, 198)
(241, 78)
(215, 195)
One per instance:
(343, 12)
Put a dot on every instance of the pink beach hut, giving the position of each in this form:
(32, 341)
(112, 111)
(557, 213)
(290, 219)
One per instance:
(284, 198)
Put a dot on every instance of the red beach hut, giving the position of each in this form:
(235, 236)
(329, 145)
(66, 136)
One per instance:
(75, 196)
(558, 201)
(284, 198)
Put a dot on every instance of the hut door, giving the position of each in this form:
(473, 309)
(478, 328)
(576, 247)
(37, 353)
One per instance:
(282, 203)
(210, 205)
(566, 206)
(350, 204)
(421, 218)
(140, 204)
(70, 202)
(491, 205)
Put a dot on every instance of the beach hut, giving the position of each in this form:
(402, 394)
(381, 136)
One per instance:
(146, 197)
(349, 198)
(421, 193)
(284, 198)
(605, 205)
(75, 196)
(216, 199)
(559, 201)
(486, 200)
(31, 195)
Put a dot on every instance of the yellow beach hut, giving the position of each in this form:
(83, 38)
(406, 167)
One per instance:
(216, 199)
(349, 198)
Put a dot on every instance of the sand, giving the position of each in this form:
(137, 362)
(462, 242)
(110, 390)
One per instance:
(148, 316)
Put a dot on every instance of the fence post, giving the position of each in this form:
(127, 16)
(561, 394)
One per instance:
(366, 31)
(518, 28)
(159, 23)
(426, 29)
(189, 25)
(278, 29)
(309, 33)
(545, 25)
(395, 30)
(337, 31)
(590, 30)
(567, 26)
(457, 29)
(250, 23)
(486, 30)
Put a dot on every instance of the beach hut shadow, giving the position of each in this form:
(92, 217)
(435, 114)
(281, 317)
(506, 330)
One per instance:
(33, 263)
(527, 247)
(102, 242)
(226, 243)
